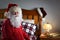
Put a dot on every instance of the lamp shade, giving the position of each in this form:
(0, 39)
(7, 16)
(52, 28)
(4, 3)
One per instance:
(47, 27)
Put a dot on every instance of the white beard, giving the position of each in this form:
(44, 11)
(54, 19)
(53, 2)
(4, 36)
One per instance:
(16, 21)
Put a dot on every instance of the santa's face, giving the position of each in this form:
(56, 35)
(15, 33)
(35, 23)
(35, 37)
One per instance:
(15, 14)
(15, 11)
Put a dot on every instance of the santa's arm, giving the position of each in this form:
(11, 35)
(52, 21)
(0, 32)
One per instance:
(26, 36)
(3, 32)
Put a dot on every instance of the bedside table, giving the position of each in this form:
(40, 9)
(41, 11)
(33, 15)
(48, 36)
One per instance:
(44, 37)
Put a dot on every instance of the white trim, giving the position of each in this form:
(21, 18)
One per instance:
(39, 11)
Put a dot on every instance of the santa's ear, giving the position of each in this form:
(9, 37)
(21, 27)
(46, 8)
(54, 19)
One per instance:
(6, 13)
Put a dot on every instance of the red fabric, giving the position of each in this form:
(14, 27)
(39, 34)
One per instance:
(11, 33)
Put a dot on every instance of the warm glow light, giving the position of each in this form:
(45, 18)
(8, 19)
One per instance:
(47, 27)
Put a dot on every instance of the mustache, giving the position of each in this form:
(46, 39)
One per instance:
(16, 17)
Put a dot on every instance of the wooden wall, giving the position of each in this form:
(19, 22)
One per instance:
(2, 13)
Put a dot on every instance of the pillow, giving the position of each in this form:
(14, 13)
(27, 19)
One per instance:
(30, 28)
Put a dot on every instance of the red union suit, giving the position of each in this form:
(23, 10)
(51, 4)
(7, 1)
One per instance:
(12, 33)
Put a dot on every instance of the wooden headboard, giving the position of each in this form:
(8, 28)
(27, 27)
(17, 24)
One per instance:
(31, 14)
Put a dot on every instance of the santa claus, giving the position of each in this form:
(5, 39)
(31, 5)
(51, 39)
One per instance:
(12, 28)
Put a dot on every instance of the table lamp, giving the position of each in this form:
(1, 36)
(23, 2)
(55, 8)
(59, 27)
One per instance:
(47, 27)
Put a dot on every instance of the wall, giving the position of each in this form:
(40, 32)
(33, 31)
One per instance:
(52, 8)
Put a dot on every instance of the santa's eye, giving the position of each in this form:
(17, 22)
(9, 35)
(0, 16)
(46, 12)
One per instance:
(14, 13)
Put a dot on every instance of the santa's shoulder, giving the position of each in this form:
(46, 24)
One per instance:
(5, 20)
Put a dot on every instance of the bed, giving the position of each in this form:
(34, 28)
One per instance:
(30, 15)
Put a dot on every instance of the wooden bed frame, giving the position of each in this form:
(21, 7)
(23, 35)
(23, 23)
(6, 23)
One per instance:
(29, 14)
